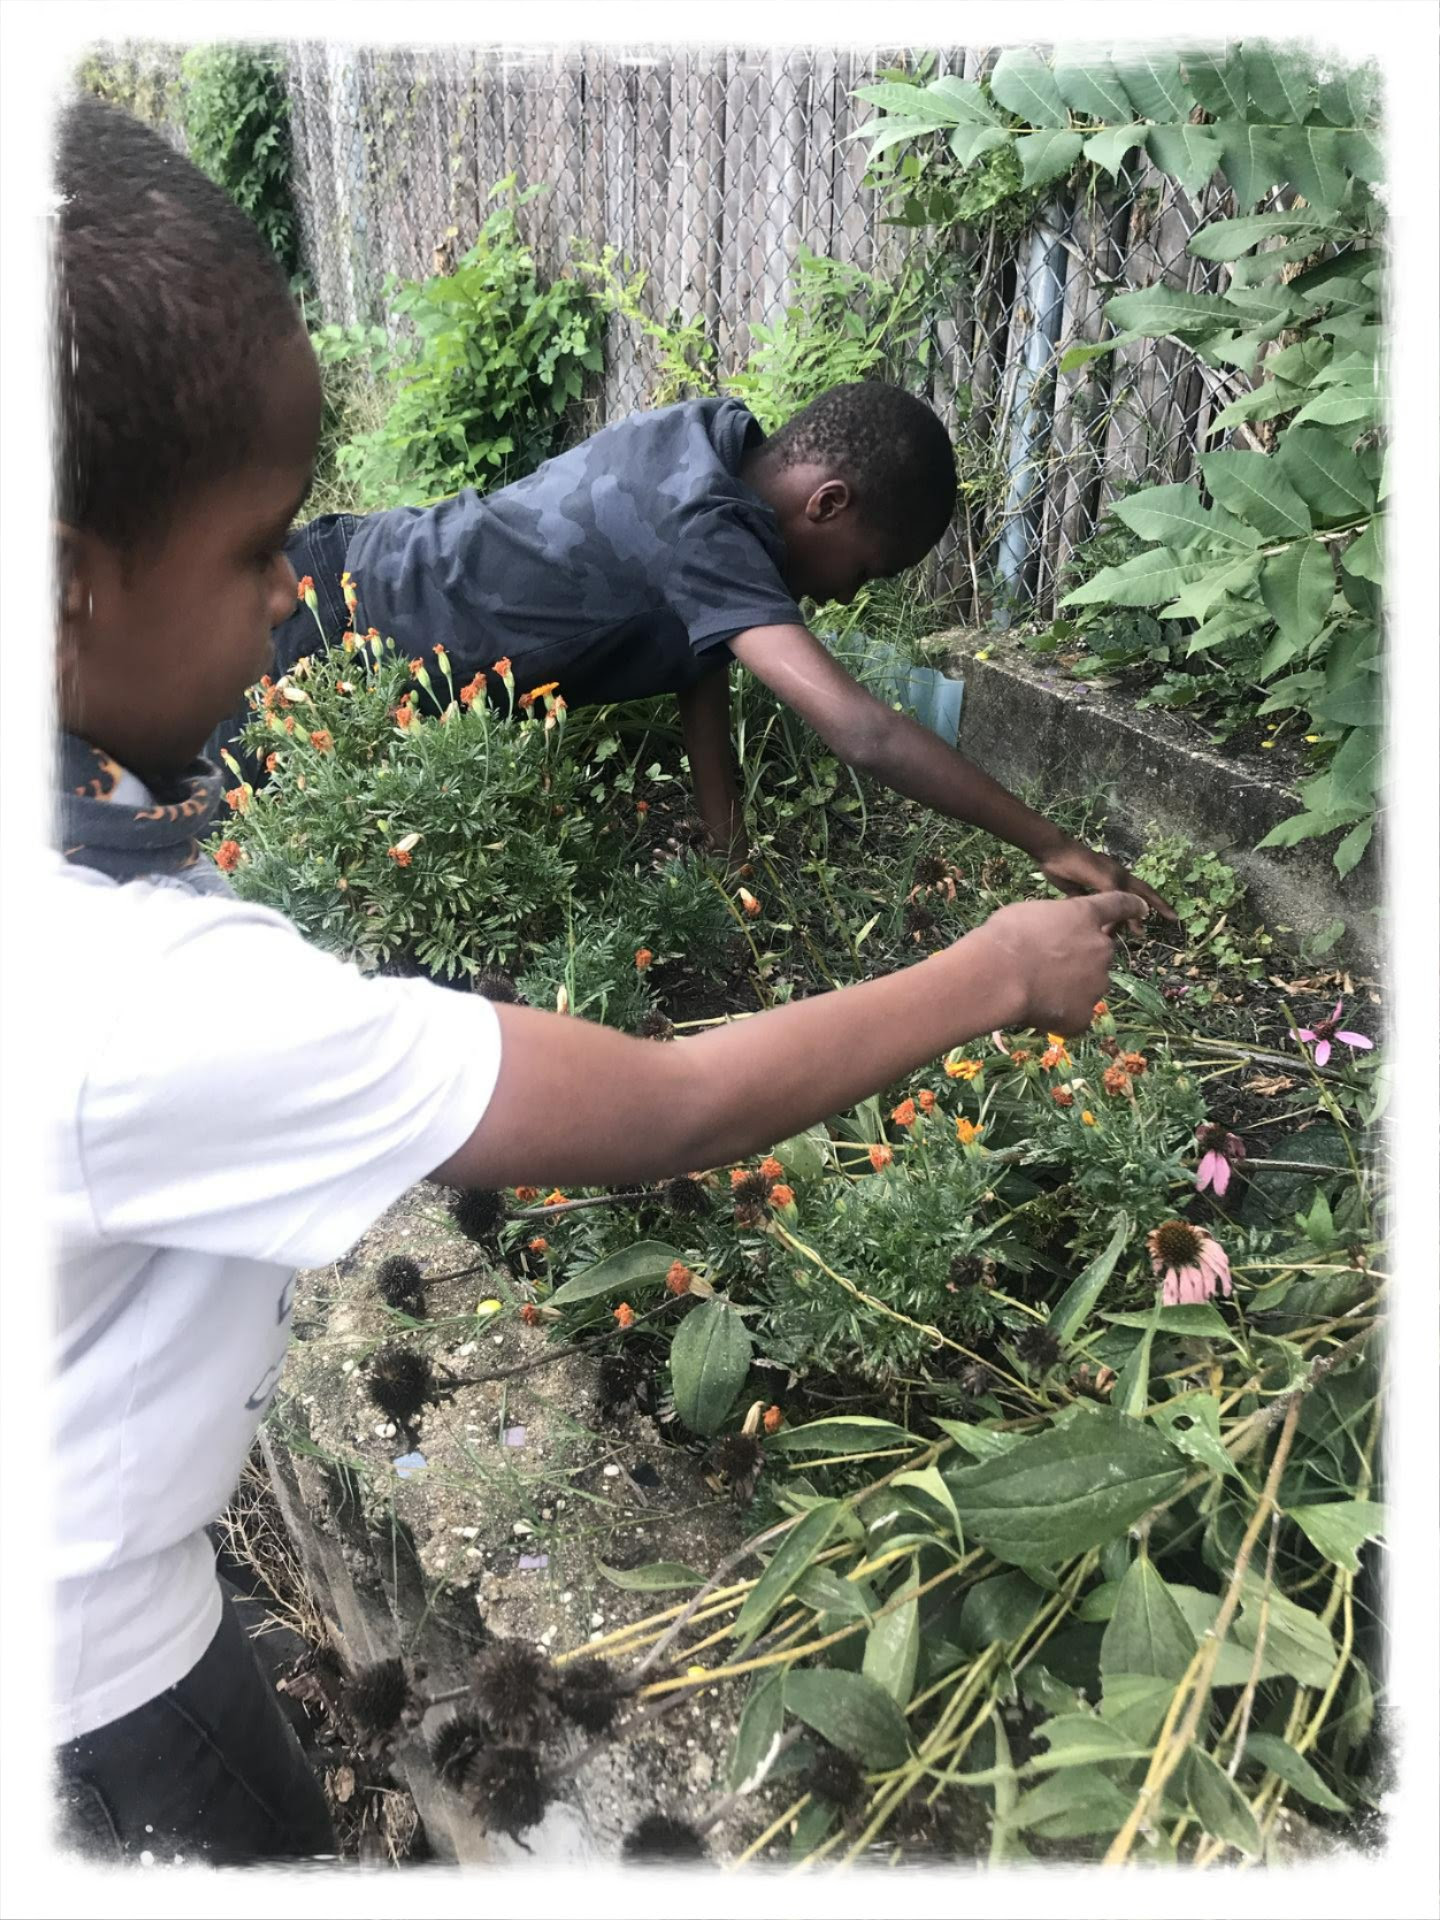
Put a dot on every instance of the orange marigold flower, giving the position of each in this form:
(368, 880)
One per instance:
(643, 957)
(773, 1420)
(749, 902)
(1088, 1119)
(227, 855)
(472, 690)
(964, 1069)
(348, 642)
(781, 1195)
(555, 1199)
(266, 681)
(904, 1114)
(539, 1244)
(737, 1175)
(372, 633)
(404, 714)
(289, 723)
(625, 1314)
(530, 1315)
(1100, 1009)
(1062, 1096)
(525, 702)
(1018, 1056)
(538, 693)
(880, 1157)
(417, 665)
(305, 589)
(525, 1195)
(1134, 1063)
(238, 799)
(502, 667)
(771, 1168)
(1116, 1080)
(925, 1100)
(322, 740)
(679, 1277)
(966, 1131)
(400, 855)
(1054, 1056)
(272, 760)
(642, 806)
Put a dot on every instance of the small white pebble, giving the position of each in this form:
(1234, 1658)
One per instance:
(612, 1473)
(546, 1514)
(547, 1636)
(147, 1859)
(348, 1366)
(597, 1636)
(597, 1619)
(521, 1528)
(148, 1827)
(466, 1533)
(473, 1553)
(469, 1347)
(566, 1598)
(499, 1339)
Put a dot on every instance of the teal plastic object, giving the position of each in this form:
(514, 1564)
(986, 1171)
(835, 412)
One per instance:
(933, 698)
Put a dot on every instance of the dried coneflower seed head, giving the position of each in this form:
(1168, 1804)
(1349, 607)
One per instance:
(478, 1212)
(686, 1198)
(619, 1380)
(1038, 1348)
(736, 1456)
(398, 1281)
(966, 1270)
(401, 1383)
(510, 1688)
(752, 1185)
(836, 1778)
(507, 1789)
(492, 984)
(930, 870)
(975, 1379)
(919, 920)
(453, 1747)
(587, 1693)
(377, 1696)
(659, 1838)
(1176, 1243)
(655, 1026)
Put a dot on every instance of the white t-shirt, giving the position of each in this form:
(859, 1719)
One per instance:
(225, 1104)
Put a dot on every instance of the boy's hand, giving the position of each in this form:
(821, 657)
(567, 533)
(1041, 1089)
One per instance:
(1075, 868)
(1058, 955)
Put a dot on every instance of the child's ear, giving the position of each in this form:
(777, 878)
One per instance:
(829, 500)
(86, 571)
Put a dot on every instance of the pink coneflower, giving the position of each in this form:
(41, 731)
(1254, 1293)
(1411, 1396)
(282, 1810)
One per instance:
(1191, 1260)
(1324, 1031)
(1220, 1153)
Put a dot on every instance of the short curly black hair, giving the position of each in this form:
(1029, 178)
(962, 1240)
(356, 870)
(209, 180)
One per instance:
(889, 445)
(168, 306)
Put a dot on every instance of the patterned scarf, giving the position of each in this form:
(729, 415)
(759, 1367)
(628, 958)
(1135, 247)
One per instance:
(128, 842)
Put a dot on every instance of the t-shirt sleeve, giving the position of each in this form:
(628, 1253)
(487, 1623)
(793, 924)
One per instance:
(259, 1099)
(723, 576)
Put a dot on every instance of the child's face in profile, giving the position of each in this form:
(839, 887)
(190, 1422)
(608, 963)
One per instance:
(157, 647)
(832, 553)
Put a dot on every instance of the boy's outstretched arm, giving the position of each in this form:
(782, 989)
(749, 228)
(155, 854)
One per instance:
(873, 739)
(577, 1104)
(705, 721)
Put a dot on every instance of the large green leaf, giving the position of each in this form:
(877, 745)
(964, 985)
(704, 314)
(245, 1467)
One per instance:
(1358, 703)
(1046, 156)
(969, 143)
(1082, 1740)
(1351, 849)
(1193, 1425)
(1297, 586)
(826, 1592)
(981, 1443)
(1064, 1808)
(852, 1712)
(1297, 1641)
(1163, 310)
(1294, 1769)
(1073, 1307)
(1176, 516)
(1253, 486)
(923, 105)
(1327, 475)
(1364, 557)
(644, 1264)
(1065, 1490)
(1216, 76)
(791, 1558)
(1088, 83)
(965, 100)
(1278, 82)
(1024, 84)
(1314, 162)
(1136, 1704)
(1188, 154)
(1228, 239)
(1340, 1529)
(1218, 1804)
(661, 1576)
(759, 1730)
(1250, 159)
(846, 1433)
(805, 1154)
(1147, 580)
(1355, 771)
(1153, 82)
(709, 1359)
(1226, 574)
(892, 1646)
(1147, 1633)
(1110, 148)
(998, 1610)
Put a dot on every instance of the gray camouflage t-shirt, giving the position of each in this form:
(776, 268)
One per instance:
(619, 569)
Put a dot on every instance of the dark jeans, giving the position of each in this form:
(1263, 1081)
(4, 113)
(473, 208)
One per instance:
(317, 549)
(210, 1770)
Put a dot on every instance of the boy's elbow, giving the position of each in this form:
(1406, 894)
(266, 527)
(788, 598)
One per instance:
(868, 743)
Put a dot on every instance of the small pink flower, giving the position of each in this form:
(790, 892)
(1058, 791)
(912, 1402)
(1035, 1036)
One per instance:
(1220, 1153)
(1192, 1261)
(1324, 1031)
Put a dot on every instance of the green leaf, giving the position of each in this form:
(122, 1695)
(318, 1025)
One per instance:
(1080, 356)
(1325, 473)
(759, 1730)
(645, 1264)
(1294, 1769)
(1160, 310)
(826, 1592)
(1296, 1641)
(964, 99)
(846, 1433)
(998, 1610)
(1340, 1529)
(981, 1442)
(661, 1576)
(790, 1560)
(1194, 1321)
(1253, 486)
(1176, 516)
(709, 1359)
(1314, 161)
(1045, 156)
(805, 1154)
(1110, 148)
(1063, 1491)
(1217, 79)
(1228, 239)
(1088, 84)
(892, 1646)
(1188, 154)
(1193, 1425)
(1351, 849)
(1358, 703)
(850, 1711)
(1132, 1385)
(1023, 84)
(969, 143)
(1364, 556)
(1136, 1704)
(1147, 580)
(1063, 1808)
(1297, 587)
(931, 1482)
(1154, 84)
(1355, 770)
(1081, 1740)
(1226, 574)
(1147, 1633)
(1073, 1307)
(1250, 160)
(922, 106)
(1218, 1804)
(1277, 82)
(1339, 406)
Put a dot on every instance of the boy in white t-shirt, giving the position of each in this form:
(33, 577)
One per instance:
(200, 1158)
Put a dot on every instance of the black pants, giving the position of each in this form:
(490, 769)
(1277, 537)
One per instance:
(210, 1770)
(317, 549)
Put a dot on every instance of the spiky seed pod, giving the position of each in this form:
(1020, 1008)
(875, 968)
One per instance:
(399, 1281)
(1038, 1348)
(659, 1837)
(736, 1454)
(975, 1379)
(686, 1198)
(479, 1213)
(453, 1747)
(507, 1789)
(930, 870)
(491, 984)
(511, 1689)
(919, 921)
(966, 1271)
(377, 1696)
(401, 1384)
(752, 1185)
(836, 1778)
(619, 1381)
(587, 1693)
(655, 1026)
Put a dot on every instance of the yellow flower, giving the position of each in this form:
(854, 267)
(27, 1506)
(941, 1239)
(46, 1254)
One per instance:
(1087, 1119)
(966, 1131)
(964, 1069)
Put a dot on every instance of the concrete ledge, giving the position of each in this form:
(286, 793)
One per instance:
(1030, 726)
